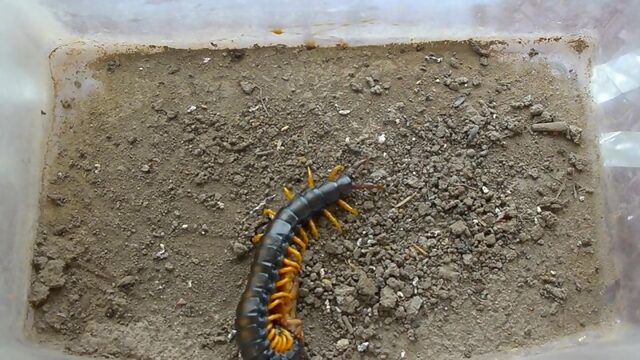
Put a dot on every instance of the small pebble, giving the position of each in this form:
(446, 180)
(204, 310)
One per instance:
(342, 345)
(536, 110)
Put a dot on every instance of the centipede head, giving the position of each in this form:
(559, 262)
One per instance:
(355, 168)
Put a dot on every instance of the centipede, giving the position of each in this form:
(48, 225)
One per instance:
(266, 324)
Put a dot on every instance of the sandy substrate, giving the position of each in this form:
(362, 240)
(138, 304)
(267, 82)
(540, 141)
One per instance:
(485, 238)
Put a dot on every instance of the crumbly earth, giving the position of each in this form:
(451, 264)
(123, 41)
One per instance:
(485, 237)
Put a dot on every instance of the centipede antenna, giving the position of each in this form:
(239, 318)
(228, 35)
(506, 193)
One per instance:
(358, 165)
(260, 226)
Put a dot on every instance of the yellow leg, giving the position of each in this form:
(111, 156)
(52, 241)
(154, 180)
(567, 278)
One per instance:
(256, 239)
(288, 341)
(295, 253)
(270, 213)
(335, 171)
(313, 229)
(332, 219)
(287, 193)
(300, 243)
(343, 204)
(310, 180)
(304, 236)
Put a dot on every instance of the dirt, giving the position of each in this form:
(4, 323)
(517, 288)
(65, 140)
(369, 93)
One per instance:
(485, 237)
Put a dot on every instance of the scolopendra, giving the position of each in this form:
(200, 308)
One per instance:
(266, 324)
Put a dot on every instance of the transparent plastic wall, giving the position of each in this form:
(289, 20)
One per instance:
(30, 30)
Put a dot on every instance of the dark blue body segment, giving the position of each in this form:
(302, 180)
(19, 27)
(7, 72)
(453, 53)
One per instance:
(251, 314)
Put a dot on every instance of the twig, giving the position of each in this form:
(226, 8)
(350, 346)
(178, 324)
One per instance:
(265, 152)
(419, 249)
(556, 179)
(461, 184)
(406, 200)
(558, 126)
(560, 191)
(257, 208)
(262, 101)
(575, 192)
(101, 274)
(353, 267)
(261, 205)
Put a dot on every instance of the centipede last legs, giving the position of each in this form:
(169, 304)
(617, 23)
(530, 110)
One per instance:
(266, 324)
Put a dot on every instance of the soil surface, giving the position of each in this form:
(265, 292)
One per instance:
(485, 237)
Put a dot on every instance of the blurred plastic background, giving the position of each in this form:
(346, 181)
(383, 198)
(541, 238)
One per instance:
(31, 29)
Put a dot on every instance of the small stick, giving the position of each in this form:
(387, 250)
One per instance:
(259, 207)
(575, 192)
(262, 101)
(265, 152)
(406, 200)
(353, 267)
(556, 179)
(461, 184)
(558, 126)
(560, 191)
(420, 249)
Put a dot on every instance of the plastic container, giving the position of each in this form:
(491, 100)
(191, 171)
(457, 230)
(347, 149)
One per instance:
(30, 30)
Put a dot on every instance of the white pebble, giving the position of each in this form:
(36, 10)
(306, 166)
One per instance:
(363, 347)
(347, 140)
(191, 109)
(485, 189)
(344, 112)
(206, 60)
(381, 139)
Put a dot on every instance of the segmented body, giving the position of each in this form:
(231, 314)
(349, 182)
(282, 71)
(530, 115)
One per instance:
(269, 297)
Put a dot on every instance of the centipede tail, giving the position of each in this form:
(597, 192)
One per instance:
(267, 328)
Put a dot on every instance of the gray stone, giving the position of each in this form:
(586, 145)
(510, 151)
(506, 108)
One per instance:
(39, 294)
(554, 293)
(239, 248)
(414, 306)
(458, 228)
(366, 286)
(388, 298)
(247, 87)
(536, 110)
(53, 274)
(342, 344)
(490, 240)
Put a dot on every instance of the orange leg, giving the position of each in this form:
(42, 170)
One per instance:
(257, 238)
(304, 236)
(270, 213)
(314, 229)
(332, 219)
(310, 182)
(287, 193)
(295, 253)
(335, 171)
(343, 204)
